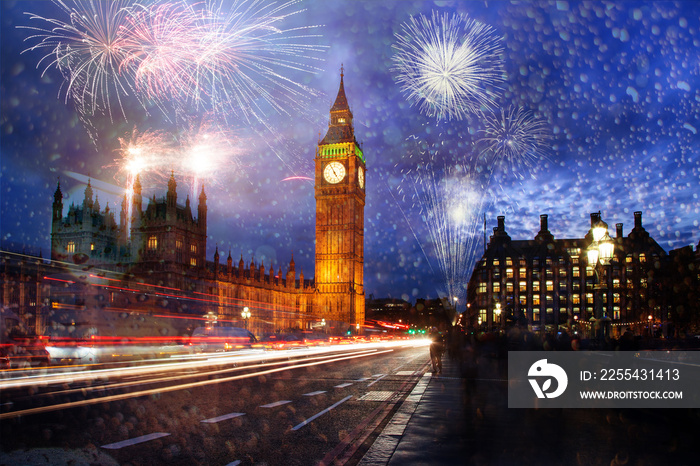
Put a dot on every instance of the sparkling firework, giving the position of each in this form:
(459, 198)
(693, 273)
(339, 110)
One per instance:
(88, 50)
(228, 60)
(449, 66)
(514, 141)
(451, 198)
(195, 155)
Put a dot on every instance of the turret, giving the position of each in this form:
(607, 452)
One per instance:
(171, 196)
(202, 212)
(229, 263)
(136, 202)
(87, 202)
(291, 274)
(57, 204)
(216, 263)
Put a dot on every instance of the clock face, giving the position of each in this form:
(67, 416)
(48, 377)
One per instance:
(334, 172)
(361, 177)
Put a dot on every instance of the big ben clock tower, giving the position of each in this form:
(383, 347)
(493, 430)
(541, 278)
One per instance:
(340, 219)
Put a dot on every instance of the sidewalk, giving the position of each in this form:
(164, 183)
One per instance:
(429, 427)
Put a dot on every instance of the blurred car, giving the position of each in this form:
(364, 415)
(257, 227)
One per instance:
(23, 352)
(281, 341)
(212, 339)
(316, 339)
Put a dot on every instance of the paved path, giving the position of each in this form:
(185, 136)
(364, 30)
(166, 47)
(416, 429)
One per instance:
(462, 418)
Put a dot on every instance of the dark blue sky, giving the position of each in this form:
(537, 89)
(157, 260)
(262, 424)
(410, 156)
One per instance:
(616, 85)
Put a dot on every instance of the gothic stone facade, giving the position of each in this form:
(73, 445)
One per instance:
(163, 246)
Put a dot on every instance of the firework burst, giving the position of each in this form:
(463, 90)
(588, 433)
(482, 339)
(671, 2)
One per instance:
(88, 50)
(236, 60)
(196, 154)
(449, 66)
(514, 141)
(451, 198)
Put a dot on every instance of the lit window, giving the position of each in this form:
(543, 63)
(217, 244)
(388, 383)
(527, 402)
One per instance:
(642, 258)
(535, 286)
(576, 272)
(576, 299)
(535, 300)
(523, 287)
(92, 246)
(193, 248)
(496, 287)
(509, 287)
(616, 313)
(482, 288)
(589, 298)
(509, 262)
(509, 273)
(193, 262)
(535, 314)
(152, 243)
(496, 262)
(70, 247)
(178, 244)
(589, 271)
(550, 285)
(523, 300)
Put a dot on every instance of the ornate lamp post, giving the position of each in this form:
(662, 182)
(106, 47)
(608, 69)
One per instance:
(246, 315)
(600, 253)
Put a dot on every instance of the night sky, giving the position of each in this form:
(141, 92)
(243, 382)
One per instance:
(614, 87)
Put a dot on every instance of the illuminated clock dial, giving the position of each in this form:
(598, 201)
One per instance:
(361, 178)
(334, 172)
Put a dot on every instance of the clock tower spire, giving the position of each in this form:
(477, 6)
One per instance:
(340, 213)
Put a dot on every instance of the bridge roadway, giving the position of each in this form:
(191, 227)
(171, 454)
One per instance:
(382, 409)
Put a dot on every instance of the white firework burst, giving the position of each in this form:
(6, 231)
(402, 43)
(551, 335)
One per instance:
(449, 65)
(514, 140)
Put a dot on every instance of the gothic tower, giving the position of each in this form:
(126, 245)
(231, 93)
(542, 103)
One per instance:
(340, 214)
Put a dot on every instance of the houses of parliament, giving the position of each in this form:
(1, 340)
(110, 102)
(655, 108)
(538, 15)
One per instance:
(154, 261)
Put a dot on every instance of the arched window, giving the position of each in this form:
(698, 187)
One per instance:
(152, 243)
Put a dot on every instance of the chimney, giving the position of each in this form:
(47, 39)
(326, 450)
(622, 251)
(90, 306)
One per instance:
(638, 220)
(543, 223)
(618, 227)
(501, 223)
(595, 217)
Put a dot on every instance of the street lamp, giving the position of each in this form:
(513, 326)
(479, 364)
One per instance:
(246, 315)
(497, 311)
(600, 253)
(650, 317)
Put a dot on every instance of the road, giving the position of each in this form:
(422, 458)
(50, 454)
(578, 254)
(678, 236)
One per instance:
(301, 407)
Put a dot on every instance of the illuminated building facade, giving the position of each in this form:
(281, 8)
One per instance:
(548, 285)
(163, 246)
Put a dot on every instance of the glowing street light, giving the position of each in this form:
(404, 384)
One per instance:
(497, 311)
(600, 253)
(246, 315)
